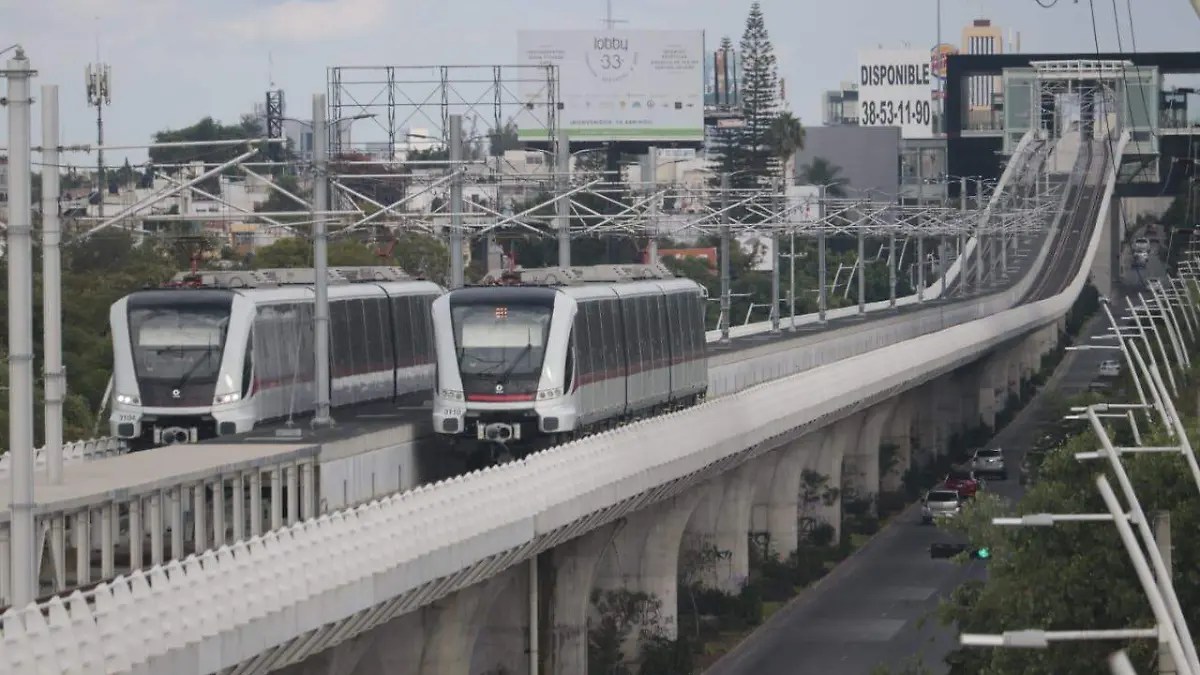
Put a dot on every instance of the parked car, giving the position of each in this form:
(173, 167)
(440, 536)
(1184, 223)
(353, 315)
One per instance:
(989, 462)
(962, 481)
(1110, 368)
(1141, 245)
(939, 504)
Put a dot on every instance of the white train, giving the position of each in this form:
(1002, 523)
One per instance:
(216, 353)
(560, 352)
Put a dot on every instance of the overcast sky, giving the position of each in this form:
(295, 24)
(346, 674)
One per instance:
(174, 62)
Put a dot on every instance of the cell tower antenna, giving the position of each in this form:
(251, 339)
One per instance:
(270, 70)
(98, 78)
(609, 21)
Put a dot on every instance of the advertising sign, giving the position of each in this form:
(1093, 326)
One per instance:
(895, 89)
(621, 85)
(722, 71)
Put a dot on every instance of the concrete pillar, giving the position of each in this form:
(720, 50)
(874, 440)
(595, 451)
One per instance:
(571, 578)
(899, 435)
(929, 420)
(993, 377)
(438, 639)
(838, 443)
(733, 526)
(644, 557)
(777, 507)
(860, 472)
(502, 646)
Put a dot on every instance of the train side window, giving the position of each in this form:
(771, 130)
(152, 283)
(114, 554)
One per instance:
(633, 342)
(248, 365)
(402, 331)
(671, 303)
(613, 337)
(339, 345)
(374, 311)
(646, 328)
(569, 367)
(607, 314)
(659, 316)
(583, 343)
(430, 351)
(596, 331)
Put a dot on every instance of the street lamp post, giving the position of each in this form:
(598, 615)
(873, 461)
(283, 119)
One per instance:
(320, 205)
(726, 307)
(456, 203)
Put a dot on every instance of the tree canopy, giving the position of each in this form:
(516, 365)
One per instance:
(1073, 576)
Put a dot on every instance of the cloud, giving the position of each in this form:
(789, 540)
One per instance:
(311, 20)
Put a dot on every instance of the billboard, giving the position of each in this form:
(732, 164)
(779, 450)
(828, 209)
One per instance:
(722, 71)
(802, 204)
(623, 85)
(896, 89)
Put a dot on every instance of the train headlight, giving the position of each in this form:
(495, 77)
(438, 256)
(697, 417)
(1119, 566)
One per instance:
(547, 394)
(227, 398)
(453, 395)
(128, 399)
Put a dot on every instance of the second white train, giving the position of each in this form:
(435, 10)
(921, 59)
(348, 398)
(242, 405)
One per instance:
(563, 352)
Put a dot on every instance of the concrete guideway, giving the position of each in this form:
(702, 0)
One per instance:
(874, 609)
(1031, 145)
(378, 454)
(278, 599)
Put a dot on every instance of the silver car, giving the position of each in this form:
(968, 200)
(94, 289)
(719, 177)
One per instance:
(940, 504)
(989, 462)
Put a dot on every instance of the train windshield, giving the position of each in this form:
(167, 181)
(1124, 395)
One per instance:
(178, 344)
(500, 342)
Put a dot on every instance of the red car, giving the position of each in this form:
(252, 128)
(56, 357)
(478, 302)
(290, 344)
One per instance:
(963, 482)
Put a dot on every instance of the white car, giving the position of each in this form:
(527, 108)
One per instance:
(940, 504)
(990, 462)
(1110, 368)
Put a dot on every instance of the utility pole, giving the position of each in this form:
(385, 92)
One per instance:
(98, 78)
(822, 272)
(980, 259)
(652, 239)
(964, 260)
(456, 202)
(920, 237)
(55, 380)
(20, 331)
(777, 198)
(1162, 540)
(725, 247)
(321, 259)
(562, 206)
(862, 265)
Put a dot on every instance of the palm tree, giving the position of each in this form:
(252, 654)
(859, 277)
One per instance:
(824, 172)
(785, 137)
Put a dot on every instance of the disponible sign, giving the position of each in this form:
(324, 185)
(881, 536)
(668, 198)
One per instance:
(896, 89)
(634, 85)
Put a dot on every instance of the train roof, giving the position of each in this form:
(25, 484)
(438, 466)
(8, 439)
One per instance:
(281, 277)
(581, 275)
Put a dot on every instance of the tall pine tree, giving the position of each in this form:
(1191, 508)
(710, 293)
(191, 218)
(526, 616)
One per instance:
(760, 102)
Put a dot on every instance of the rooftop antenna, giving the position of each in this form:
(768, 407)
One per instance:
(609, 21)
(270, 70)
(98, 78)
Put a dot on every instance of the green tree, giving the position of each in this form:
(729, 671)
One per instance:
(786, 139)
(1073, 575)
(821, 171)
(207, 129)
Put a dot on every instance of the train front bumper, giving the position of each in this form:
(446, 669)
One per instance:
(548, 417)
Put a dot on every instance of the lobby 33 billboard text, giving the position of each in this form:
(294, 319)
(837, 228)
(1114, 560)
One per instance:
(621, 85)
(896, 89)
